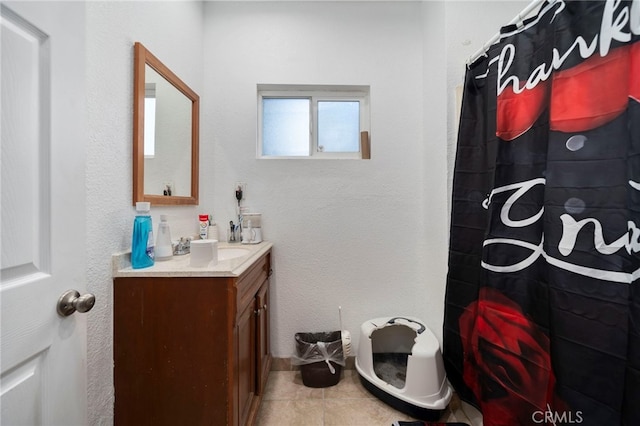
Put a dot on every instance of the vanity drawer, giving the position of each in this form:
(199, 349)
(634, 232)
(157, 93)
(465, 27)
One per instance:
(249, 282)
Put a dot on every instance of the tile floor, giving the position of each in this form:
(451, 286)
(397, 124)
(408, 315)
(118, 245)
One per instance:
(287, 402)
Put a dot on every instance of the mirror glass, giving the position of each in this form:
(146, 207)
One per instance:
(165, 134)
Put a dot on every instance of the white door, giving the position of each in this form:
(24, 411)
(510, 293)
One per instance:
(43, 236)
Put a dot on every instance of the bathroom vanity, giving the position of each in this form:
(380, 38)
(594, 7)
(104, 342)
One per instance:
(191, 345)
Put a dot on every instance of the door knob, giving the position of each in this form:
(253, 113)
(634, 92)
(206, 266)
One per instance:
(71, 301)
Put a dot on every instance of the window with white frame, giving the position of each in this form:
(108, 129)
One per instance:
(297, 121)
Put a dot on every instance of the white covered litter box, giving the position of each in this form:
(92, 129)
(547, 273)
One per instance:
(399, 361)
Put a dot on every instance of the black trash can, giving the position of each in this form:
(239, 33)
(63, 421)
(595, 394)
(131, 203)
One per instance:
(320, 357)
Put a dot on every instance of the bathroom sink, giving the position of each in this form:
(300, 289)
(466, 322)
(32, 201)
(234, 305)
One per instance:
(226, 253)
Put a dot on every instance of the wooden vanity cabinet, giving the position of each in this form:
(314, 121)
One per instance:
(191, 350)
(263, 349)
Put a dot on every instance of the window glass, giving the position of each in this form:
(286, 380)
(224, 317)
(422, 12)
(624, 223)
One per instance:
(311, 121)
(338, 126)
(285, 127)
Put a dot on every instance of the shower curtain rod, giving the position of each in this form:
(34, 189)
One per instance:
(518, 19)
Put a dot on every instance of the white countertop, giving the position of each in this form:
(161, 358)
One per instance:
(178, 266)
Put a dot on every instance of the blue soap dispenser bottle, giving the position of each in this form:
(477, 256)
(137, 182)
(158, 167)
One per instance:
(142, 255)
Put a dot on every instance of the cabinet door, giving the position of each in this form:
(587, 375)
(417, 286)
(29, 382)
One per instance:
(246, 363)
(263, 351)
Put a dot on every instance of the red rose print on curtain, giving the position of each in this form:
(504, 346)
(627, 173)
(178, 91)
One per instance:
(506, 361)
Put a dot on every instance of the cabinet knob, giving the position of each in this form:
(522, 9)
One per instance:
(257, 312)
(265, 307)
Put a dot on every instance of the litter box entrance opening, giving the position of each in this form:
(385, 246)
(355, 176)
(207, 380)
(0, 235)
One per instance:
(391, 347)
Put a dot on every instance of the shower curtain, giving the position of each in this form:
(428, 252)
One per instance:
(542, 309)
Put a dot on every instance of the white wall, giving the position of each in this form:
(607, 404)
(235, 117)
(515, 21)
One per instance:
(368, 235)
(172, 31)
(346, 232)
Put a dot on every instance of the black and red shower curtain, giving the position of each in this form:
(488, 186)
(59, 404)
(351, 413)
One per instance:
(542, 309)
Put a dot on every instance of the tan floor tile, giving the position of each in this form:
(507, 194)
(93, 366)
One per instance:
(287, 385)
(288, 402)
(307, 412)
(355, 412)
(348, 387)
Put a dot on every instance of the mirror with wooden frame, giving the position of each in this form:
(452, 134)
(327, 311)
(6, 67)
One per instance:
(165, 134)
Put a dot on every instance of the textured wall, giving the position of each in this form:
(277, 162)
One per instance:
(346, 232)
(173, 32)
